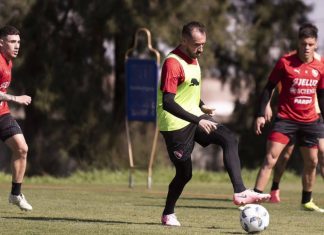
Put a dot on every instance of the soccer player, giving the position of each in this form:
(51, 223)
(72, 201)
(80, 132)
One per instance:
(184, 119)
(301, 77)
(287, 152)
(10, 132)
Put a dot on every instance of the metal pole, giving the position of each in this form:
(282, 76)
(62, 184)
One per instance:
(130, 155)
(149, 174)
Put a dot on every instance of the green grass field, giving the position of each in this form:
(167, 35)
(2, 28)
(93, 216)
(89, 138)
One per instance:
(101, 203)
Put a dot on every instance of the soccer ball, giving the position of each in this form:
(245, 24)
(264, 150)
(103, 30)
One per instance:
(254, 218)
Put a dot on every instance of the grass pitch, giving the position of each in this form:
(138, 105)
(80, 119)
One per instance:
(102, 203)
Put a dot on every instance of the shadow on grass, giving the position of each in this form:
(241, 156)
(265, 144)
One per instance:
(194, 207)
(66, 219)
(221, 230)
(206, 199)
(209, 207)
(193, 199)
(78, 220)
(199, 207)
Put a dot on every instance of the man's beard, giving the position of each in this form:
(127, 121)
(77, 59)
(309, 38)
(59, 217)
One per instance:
(193, 55)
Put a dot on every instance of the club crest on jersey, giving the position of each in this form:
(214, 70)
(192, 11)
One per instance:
(314, 73)
(178, 154)
(4, 85)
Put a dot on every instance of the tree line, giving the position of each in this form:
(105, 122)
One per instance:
(76, 120)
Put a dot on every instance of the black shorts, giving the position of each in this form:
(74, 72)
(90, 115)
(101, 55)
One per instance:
(180, 143)
(8, 127)
(321, 127)
(304, 134)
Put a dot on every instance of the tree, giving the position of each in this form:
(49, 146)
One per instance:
(264, 30)
(64, 70)
(64, 67)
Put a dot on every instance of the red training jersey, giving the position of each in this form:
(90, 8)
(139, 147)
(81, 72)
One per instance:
(172, 74)
(299, 82)
(5, 79)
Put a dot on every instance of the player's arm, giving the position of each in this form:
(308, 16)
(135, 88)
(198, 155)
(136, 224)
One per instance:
(320, 99)
(22, 99)
(201, 103)
(268, 110)
(320, 92)
(7, 97)
(206, 109)
(265, 99)
(174, 108)
(275, 77)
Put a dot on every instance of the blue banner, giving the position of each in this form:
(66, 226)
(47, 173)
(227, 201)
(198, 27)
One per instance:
(141, 89)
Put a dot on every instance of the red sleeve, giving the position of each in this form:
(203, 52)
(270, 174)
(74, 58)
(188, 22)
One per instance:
(1, 73)
(277, 72)
(171, 76)
(320, 85)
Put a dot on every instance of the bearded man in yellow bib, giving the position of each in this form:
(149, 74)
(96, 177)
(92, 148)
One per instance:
(184, 119)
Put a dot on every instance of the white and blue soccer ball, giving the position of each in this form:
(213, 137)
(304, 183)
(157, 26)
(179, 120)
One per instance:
(254, 218)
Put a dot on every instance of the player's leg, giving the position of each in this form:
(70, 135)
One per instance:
(19, 148)
(181, 178)
(308, 178)
(179, 144)
(278, 139)
(321, 156)
(308, 140)
(273, 152)
(281, 164)
(320, 164)
(227, 140)
(309, 171)
(278, 171)
(11, 135)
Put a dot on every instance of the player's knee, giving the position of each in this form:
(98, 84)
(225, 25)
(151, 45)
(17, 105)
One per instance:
(286, 156)
(321, 155)
(270, 160)
(311, 163)
(231, 140)
(22, 151)
(185, 177)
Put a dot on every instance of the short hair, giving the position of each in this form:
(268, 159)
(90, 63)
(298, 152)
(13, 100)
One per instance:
(8, 30)
(307, 30)
(189, 27)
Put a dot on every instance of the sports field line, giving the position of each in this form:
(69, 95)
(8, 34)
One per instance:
(115, 189)
(122, 189)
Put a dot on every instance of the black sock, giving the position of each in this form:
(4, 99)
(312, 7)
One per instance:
(16, 188)
(257, 190)
(182, 177)
(275, 186)
(306, 196)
